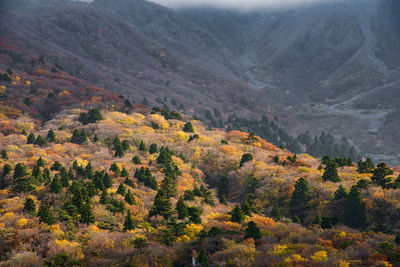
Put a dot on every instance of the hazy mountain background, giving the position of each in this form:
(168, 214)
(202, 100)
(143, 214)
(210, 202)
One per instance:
(330, 67)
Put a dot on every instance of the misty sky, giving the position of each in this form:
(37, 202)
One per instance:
(237, 4)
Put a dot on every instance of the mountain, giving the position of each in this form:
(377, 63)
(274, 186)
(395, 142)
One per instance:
(329, 67)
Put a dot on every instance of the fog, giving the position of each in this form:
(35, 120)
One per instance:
(236, 4)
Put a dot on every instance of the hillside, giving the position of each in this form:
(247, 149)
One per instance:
(160, 189)
(333, 62)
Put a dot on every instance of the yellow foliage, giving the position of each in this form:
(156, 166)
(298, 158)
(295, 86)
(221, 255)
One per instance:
(232, 226)
(281, 250)
(8, 215)
(181, 135)
(81, 162)
(145, 130)
(2, 225)
(192, 230)
(262, 221)
(64, 93)
(295, 259)
(22, 222)
(343, 263)
(320, 256)
(183, 238)
(28, 83)
(159, 121)
(230, 150)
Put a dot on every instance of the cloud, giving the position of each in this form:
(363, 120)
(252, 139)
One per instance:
(235, 4)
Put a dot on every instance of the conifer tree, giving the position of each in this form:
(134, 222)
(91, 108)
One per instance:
(89, 171)
(276, 213)
(252, 231)
(246, 158)
(129, 198)
(104, 199)
(40, 141)
(182, 209)
(4, 154)
(128, 224)
(136, 160)
(40, 162)
(121, 190)
(64, 180)
(20, 170)
(188, 128)
(237, 215)
(380, 173)
(300, 198)
(51, 136)
(115, 169)
(29, 206)
(87, 214)
(56, 186)
(153, 148)
(125, 145)
(119, 151)
(45, 215)
(340, 193)
(331, 173)
(142, 146)
(124, 173)
(31, 139)
(162, 205)
(354, 214)
(107, 182)
(202, 259)
(316, 221)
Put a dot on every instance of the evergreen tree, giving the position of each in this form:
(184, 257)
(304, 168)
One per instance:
(142, 146)
(366, 166)
(119, 151)
(56, 166)
(128, 224)
(354, 214)
(182, 209)
(300, 198)
(331, 173)
(87, 214)
(94, 115)
(51, 136)
(326, 223)
(40, 141)
(380, 173)
(246, 158)
(188, 128)
(56, 186)
(129, 182)
(202, 259)
(252, 231)
(104, 199)
(162, 205)
(136, 160)
(20, 170)
(121, 190)
(96, 138)
(276, 213)
(107, 182)
(125, 145)
(129, 198)
(29, 206)
(45, 214)
(153, 148)
(115, 169)
(316, 221)
(237, 215)
(4, 154)
(340, 193)
(89, 171)
(296, 219)
(195, 215)
(124, 173)
(31, 139)
(64, 180)
(40, 162)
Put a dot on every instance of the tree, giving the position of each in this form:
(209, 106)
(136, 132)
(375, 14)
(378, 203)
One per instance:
(20, 170)
(300, 197)
(252, 231)
(51, 136)
(194, 215)
(128, 223)
(125, 145)
(115, 169)
(136, 160)
(153, 148)
(366, 166)
(40, 141)
(354, 214)
(162, 205)
(340, 193)
(202, 259)
(276, 213)
(188, 128)
(104, 199)
(142, 146)
(29, 206)
(56, 186)
(4, 154)
(94, 115)
(107, 182)
(129, 198)
(246, 158)
(237, 215)
(87, 214)
(121, 190)
(182, 209)
(380, 173)
(40, 162)
(316, 221)
(119, 151)
(331, 173)
(140, 243)
(31, 139)
(45, 214)
(124, 173)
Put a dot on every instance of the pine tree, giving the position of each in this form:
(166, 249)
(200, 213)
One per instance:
(107, 182)
(300, 198)
(153, 148)
(182, 209)
(246, 158)
(136, 160)
(87, 214)
(380, 173)
(340, 193)
(115, 169)
(56, 166)
(96, 138)
(252, 231)
(56, 186)
(64, 180)
(40, 162)
(51, 136)
(29, 206)
(119, 151)
(121, 190)
(276, 213)
(94, 115)
(4, 154)
(45, 214)
(125, 145)
(104, 199)
(202, 259)
(124, 173)
(89, 171)
(128, 224)
(331, 173)
(20, 170)
(129, 198)
(40, 141)
(237, 215)
(316, 221)
(354, 214)
(142, 146)
(366, 166)
(162, 205)
(31, 139)
(188, 128)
